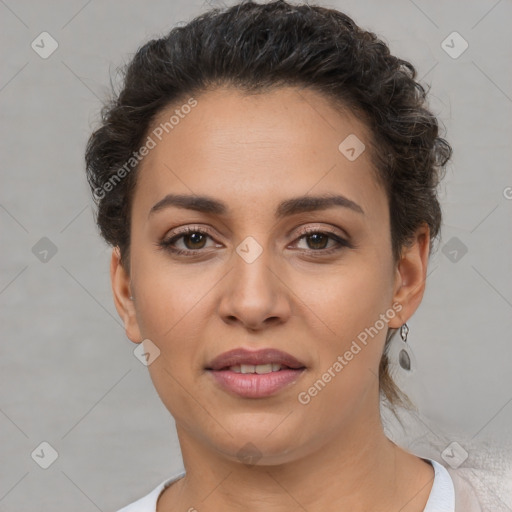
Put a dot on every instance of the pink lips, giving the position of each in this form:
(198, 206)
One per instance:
(253, 385)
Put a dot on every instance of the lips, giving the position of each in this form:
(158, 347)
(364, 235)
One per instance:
(255, 373)
(240, 356)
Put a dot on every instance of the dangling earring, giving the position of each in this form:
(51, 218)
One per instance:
(404, 359)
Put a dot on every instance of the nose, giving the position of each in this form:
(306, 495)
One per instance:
(255, 293)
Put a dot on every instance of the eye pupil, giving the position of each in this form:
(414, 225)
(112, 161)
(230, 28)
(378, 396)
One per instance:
(315, 236)
(196, 238)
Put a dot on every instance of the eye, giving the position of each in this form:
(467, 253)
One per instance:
(194, 239)
(317, 240)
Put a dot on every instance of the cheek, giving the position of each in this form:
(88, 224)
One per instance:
(349, 342)
(349, 316)
(169, 313)
(167, 295)
(351, 297)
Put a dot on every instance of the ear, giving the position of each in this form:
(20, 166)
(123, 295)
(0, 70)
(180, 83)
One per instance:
(121, 290)
(410, 276)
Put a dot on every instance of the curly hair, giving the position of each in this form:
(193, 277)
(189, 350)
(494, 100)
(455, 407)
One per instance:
(258, 47)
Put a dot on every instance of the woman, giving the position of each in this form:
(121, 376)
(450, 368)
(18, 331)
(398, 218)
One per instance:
(267, 177)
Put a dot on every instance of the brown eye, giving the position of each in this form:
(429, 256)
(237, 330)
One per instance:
(317, 241)
(193, 240)
(196, 239)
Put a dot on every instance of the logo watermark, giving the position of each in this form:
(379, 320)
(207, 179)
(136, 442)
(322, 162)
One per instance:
(304, 397)
(137, 156)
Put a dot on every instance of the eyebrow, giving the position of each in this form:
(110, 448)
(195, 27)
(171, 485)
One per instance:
(286, 208)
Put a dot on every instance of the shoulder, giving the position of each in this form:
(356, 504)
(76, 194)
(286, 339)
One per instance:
(466, 499)
(467, 490)
(480, 490)
(482, 478)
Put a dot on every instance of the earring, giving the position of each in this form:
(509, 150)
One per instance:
(131, 298)
(404, 359)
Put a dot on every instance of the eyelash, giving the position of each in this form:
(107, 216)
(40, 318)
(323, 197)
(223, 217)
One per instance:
(167, 244)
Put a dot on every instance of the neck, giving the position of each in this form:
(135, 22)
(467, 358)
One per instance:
(355, 470)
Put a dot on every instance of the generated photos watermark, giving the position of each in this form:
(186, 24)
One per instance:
(137, 156)
(305, 397)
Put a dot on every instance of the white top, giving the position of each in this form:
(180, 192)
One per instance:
(441, 498)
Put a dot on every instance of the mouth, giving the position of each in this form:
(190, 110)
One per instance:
(255, 374)
(260, 369)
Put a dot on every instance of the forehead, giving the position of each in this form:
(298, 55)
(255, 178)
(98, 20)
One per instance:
(249, 149)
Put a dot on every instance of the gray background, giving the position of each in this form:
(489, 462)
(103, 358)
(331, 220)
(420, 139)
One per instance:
(69, 376)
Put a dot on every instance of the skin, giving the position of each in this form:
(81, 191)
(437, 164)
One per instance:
(252, 152)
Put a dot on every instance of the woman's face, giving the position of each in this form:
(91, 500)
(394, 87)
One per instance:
(256, 280)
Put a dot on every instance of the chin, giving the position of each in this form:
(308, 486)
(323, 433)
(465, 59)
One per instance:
(252, 453)
(253, 445)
